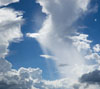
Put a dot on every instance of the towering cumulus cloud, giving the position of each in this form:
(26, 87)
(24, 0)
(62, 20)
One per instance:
(10, 24)
(54, 36)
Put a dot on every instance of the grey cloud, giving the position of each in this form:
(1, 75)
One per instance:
(63, 65)
(91, 77)
(5, 66)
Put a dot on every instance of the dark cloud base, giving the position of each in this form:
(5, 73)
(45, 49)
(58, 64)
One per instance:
(91, 78)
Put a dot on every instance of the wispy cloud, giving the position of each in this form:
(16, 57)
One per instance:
(47, 56)
(10, 26)
(7, 2)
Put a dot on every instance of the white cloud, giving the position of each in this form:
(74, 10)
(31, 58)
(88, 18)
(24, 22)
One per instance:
(46, 56)
(32, 35)
(81, 42)
(58, 26)
(31, 78)
(94, 56)
(6, 2)
(10, 29)
(28, 78)
(24, 78)
(83, 45)
(96, 48)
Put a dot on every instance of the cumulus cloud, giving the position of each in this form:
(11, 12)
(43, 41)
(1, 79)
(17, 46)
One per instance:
(94, 56)
(10, 29)
(81, 42)
(96, 48)
(27, 78)
(31, 78)
(22, 79)
(6, 2)
(83, 45)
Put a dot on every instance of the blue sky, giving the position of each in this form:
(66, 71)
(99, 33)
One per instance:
(93, 26)
(61, 38)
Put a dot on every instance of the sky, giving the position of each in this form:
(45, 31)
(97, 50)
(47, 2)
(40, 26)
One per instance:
(49, 44)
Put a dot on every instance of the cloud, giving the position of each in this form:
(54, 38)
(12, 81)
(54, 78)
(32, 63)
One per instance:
(5, 66)
(46, 56)
(81, 42)
(90, 80)
(96, 48)
(21, 79)
(91, 77)
(27, 78)
(83, 45)
(32, 35)
(56, 29)
(60, 38)
(82, 27)
(31, 78)
(94, 56)
(10, 29)
(63, 65)
(7, 2)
